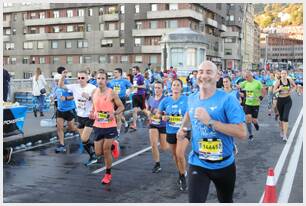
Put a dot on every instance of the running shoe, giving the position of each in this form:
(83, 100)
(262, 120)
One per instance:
(60, 149)
(92, 160)
(156, 169)
(281, 134)
(8, 156)
(183, 183)
(116, 150)
(106, 179)
(285, 139)
(251, 137)
(256, 126)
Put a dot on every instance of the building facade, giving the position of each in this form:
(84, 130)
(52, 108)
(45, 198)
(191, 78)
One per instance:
(256, 51)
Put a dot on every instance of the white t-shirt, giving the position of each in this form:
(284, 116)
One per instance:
(83, 106)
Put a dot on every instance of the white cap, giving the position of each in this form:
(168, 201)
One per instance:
(57, 76)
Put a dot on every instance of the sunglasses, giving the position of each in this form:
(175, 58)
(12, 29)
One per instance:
(81, 77)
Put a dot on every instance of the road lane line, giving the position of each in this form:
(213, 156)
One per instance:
(291, 170)
(124, 159)
(282, 158)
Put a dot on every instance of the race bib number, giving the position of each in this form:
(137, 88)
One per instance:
(81, 104)
(210, 149)
(103, 117)
(250, 95)
(117, 89)
(175, 121)
(155, 120)
(285, 90)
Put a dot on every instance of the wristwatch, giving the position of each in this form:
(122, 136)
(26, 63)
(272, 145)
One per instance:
(211, 124)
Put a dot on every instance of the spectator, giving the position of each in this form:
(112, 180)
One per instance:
(39, 91)
(92, 80)
(6, 84)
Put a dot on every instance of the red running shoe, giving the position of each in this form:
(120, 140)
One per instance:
(116, 150)
(106, 179)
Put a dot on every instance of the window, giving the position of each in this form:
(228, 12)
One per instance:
(137, 41)
(101, 11)
(231, 18)
(81, 59)
(88, 27)
(191, 57)
(153, 24)
(42, 15)
(42, 60)
(7, 31)
(111, 26)
(173, 6)
(13, 60)
(219, 6)
(153, 7)
(54, 44)
(24, 30)
(69, 13)
(55, 29)
(122, 9)
(13, 31)
(9, 46)
(70, 28)
(69, 60)
(56, 14)
(87, 59)
(28, 45)
(153, 59)
(138, 25)
(122, 42)
(68, 44)
(56, 60)
(25, 60)
(40, 45)
(106, 43)
(138, 59)
(122, 26)
(228, 51)
(112, 10)
(80, 12)
(137, 8)
(27, 75)
(89, 12)
(32, 15)
(173, 24)
(82, 43)
(33, 30)
(124, 59)
(177, 57)
(101, 27)
(41, 30)
(103, 59)
(228, 40)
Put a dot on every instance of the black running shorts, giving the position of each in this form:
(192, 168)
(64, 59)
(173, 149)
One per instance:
(84, 122)
(105, 133)
(139, 101)
(68, 115)
(161, 130)
(252, 110)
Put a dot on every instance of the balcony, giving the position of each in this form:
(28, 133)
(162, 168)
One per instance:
(111, 33)
(109, 17)
(6, 24)
(151, 49)
(175, 14)
(230, 34)
(151, 32)
(6, 38)
(50, 21)
(70, 35)
(223, 27)
(212, 22)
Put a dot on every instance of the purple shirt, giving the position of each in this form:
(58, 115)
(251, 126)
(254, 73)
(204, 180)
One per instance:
(139, 80)
(153, 107)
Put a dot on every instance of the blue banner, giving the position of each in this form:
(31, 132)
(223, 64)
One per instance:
(13, 119)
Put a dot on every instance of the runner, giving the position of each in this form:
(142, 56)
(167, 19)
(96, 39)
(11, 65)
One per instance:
(120, 86)
(299, 82)
(275, 95)
(269, 83)
(65, 111)
(139, 96)
(157, 131)
(82, 97)
(173, 109)
(285, 86)
(216, 118)
(105, 128)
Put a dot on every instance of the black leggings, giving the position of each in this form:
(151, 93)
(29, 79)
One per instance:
(283, 106)
(199, 180)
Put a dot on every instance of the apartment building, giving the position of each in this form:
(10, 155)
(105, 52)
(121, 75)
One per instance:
(91, 35)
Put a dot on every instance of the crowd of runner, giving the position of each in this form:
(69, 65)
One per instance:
(220, 106)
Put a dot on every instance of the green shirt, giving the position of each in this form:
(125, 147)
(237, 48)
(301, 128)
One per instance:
(253, 92)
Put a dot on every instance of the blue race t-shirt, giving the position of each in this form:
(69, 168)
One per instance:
(207, 143)
(175, 110)
(120, 86)
(64, 106)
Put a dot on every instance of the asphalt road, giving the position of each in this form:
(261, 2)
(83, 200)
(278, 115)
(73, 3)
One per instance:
(41, 176)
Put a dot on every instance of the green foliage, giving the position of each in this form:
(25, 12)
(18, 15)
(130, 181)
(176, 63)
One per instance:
(267, 14)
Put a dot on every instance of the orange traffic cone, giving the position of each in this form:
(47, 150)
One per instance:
(270, 189)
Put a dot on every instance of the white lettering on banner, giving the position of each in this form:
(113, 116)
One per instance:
(12, 121)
